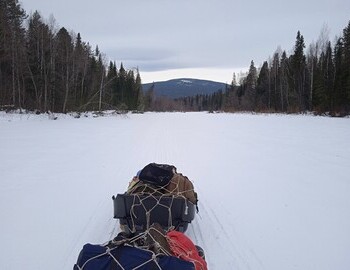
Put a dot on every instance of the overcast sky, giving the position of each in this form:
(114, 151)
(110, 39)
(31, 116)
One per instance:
(205, 39)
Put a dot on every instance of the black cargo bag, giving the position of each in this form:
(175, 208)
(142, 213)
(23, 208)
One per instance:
(157, 174)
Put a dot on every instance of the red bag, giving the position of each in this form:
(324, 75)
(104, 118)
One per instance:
(183, 247)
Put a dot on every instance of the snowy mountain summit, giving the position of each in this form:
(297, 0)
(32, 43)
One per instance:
(184, 87)
(185, 82)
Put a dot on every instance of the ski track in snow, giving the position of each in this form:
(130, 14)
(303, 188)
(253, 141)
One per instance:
(83, 231)
(226, 241)
(262, 181)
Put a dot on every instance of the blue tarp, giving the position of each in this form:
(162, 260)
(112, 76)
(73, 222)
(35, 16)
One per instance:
(96, 258)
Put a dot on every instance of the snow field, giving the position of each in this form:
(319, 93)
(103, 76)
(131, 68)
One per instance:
(273, 189)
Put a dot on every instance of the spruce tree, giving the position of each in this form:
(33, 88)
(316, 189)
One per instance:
(139, 93)
(122, 88)
(274, 94)
(324, 81)
(299, 64)
(346, 44)
(329, 78)
(284, 81)
(110, 86)
(250, 91)
(262, 88)
(12, 53)
(339, 96)
(38, 64)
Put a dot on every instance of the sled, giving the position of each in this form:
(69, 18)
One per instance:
(136, 212)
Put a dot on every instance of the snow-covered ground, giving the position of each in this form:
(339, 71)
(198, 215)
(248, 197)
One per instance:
(274, 190)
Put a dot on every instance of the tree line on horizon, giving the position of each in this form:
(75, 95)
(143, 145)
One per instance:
(44, 68)
(318, 81)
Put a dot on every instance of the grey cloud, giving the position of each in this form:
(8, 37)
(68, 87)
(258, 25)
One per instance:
(164, 34)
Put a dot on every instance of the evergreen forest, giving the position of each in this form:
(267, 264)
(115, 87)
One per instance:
(44, 68)
(316, 80)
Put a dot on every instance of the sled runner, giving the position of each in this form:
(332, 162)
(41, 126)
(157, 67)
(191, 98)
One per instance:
(137, 212)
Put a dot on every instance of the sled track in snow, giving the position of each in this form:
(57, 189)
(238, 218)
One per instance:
(208, 225)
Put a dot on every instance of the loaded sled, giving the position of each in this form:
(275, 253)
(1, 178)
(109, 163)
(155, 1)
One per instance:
(153, 213)
(157, 194)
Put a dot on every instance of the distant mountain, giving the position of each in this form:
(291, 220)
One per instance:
(184, 87)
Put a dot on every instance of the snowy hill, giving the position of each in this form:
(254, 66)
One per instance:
(273, 189)
(184, 87)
